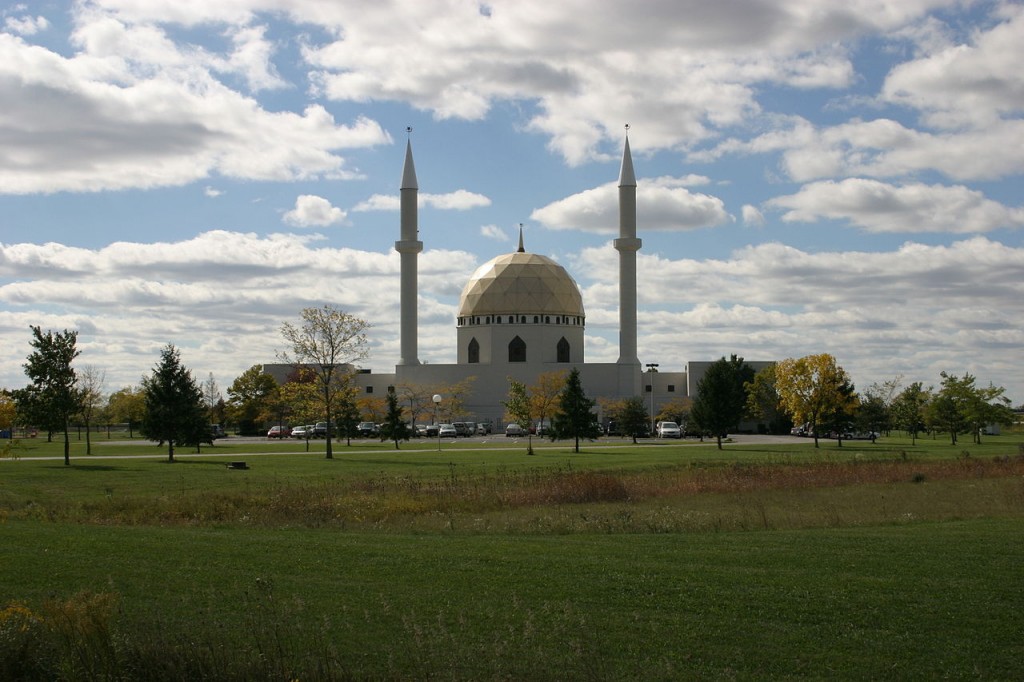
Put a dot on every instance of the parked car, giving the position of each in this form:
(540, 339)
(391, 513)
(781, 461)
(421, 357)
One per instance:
(217, 431)
(302, 432)
(447, 431)
(430, 430)
(669, 430)
(464, 428)
(367, 429)
(320, 430)
(279, 432)
(513, 430)
(483, 428)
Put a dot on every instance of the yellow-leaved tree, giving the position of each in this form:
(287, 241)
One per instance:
(813, 390)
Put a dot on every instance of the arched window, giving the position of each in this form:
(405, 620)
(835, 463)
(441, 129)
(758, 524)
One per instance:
(563, 350)
(473, 352)
(536, 319)
(517, 350)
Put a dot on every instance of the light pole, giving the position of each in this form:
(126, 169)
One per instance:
(437, 404)
(652, 367)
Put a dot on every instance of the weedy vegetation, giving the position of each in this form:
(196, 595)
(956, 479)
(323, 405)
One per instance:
(479, 562)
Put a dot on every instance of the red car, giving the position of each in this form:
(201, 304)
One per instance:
(279, 432)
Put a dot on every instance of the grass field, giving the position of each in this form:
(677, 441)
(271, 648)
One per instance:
(868, 561)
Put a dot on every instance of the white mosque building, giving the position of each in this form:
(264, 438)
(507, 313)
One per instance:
(521, 315)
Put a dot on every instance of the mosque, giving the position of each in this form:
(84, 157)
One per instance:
(520, 315)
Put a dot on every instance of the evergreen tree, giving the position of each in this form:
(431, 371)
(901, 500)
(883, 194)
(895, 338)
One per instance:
(722, 397)
(175, 410)
(55, 396)
(576, 418)
(347, 415)
(394, 427)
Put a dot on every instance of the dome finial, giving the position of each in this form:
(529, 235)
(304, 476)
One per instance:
(521, 248)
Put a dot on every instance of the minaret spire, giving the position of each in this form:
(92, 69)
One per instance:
(409, 247)
(627, 245)
(521, 248)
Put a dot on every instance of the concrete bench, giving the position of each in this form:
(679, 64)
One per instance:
(237, 465)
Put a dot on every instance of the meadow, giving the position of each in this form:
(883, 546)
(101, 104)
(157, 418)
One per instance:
(759, 561)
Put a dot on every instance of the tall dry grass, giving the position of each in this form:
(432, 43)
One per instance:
(410, 502)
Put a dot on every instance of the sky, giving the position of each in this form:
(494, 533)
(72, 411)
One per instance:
(813, 176)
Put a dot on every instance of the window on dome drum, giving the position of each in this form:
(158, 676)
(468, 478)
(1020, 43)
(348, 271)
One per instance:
(536, 319)
(473, 352)
(517, 350)
(563, 350)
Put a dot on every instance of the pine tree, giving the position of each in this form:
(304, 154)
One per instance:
(721, 397)
(55, 396)
(394, 427)
(576, 418)
(175, 410)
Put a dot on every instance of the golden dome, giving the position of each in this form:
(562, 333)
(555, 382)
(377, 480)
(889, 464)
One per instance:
(521, 283)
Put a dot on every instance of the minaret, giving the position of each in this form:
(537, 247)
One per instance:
(627, 245)
(409, 246)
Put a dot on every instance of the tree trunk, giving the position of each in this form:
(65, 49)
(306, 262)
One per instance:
(170, 450)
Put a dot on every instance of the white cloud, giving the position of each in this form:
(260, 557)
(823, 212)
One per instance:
(494, 232)
(752, 216)
(26, 26)
(212, 192)
(221, 296)
(880, 207)
(132, 110)
(662, 204)
(973, 83)
(313, 211)
(459, 200)
(917, 310)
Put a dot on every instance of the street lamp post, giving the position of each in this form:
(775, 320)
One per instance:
(652, 367)
(437, 404)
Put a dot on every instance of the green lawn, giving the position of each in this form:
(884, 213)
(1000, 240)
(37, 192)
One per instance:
(653, 562)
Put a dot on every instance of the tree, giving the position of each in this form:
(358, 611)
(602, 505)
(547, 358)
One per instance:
(519, 409)
(175, 412)
(988, 406)
(8, 412)
(763, 402)
(544, 397)
(394, 427)
(908, 407)
(214, 401)
(329, 342)
(873, 415)
(811, 389)
(249, 399)
(575, 418)
(90, 388)
(347, 414)
(676, 410)
(303, 400)
(127, 405)
(53, 377)
(948, 410)
(837, 416)
(721, 398)
(631, 417)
